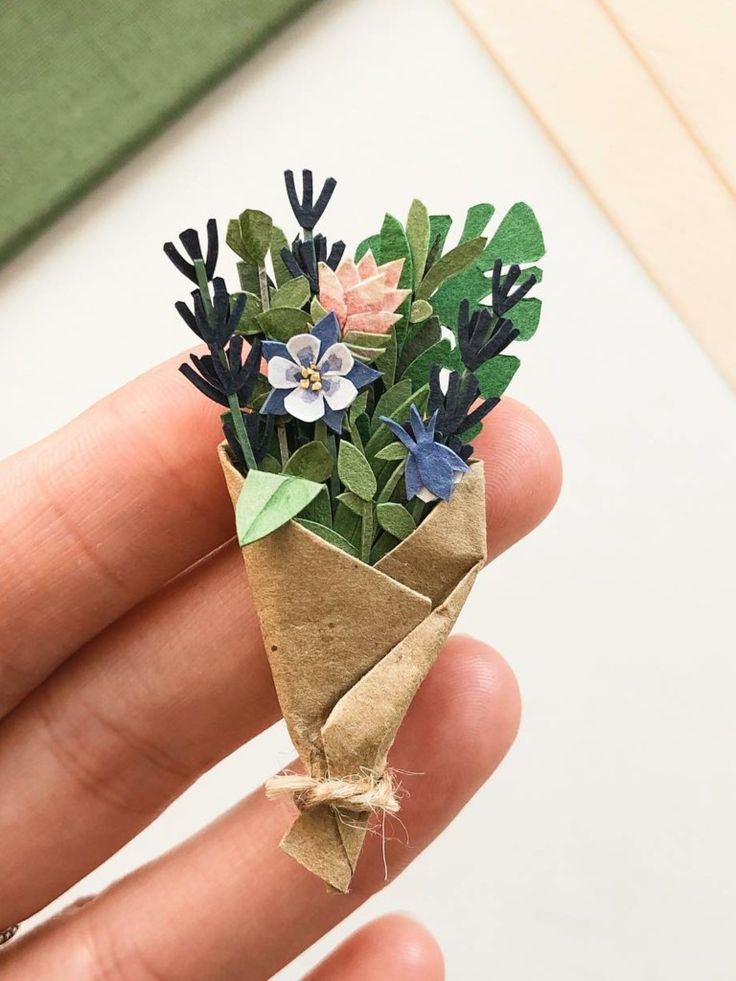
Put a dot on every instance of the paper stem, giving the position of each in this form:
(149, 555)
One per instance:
(417, 509)
(204, 287)
(232, 400)
(283, 443)
(263, 287)
(366, 533)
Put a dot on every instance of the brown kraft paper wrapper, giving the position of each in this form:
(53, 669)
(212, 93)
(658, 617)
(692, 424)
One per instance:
(349, 645)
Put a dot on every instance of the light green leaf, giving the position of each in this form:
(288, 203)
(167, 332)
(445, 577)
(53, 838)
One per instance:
(316, 310)
(284, 323)
(394, 451)
(420, 310)
(451, 264)
(495, 375)
(293, 293)
(518, 238)
(355, 471)
(312, 462)
(329, 535)
(396, 520)
(417, 232)
(255, 235)
(267, 501)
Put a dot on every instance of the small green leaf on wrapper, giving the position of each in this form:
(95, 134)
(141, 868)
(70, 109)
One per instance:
(283, 323)
(293, 293)
(311, 461)
(329, 535)
(267, 501)
(355, 472)
(396, 520)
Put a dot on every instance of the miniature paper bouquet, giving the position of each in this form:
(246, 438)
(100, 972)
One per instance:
(352, 388)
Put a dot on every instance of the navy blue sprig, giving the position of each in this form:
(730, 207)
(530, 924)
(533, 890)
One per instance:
(454, 408)
(190, 240)
(307, 211)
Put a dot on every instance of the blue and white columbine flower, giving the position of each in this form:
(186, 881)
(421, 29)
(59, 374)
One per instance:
(314, 376)
(432, 470)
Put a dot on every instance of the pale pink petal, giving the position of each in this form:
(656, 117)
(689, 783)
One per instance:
(392, 299)
(347, 273)
(367, 265)
(392, 273)
(331, 294)
(378, 322)
(367, 295)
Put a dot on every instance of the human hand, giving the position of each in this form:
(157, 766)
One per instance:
(127, 670)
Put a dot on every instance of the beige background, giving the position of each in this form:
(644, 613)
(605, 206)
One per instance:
(608, 833)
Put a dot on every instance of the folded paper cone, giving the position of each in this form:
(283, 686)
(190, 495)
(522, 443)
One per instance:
(349, 645)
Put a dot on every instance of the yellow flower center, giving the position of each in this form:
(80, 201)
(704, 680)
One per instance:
(311, 378)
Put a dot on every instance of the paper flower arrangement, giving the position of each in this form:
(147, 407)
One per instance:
(352, 390)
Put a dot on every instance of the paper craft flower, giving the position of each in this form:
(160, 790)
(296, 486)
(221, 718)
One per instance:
(362, 295)
(314, 376)
(432, 470)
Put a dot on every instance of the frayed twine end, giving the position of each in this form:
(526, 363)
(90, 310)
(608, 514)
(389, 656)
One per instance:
(359, 795)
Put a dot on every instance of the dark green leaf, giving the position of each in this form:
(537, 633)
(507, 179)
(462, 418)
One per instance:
(312, 462)
(494, 376)
(284, 323)
(372, 243)
(249, 321)
(353, 502)
(390, 401)
(518, 238)
(476, 221)
(440, 353)
(386, 363)
(390, 486)
(248, 276)
(320, 510)
(329, 535)
(277, 243)
(525, 317)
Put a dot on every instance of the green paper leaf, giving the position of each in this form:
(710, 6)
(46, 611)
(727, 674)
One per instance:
(469, 435)
(278, 242)
(383, 435)
(390, 486)
(234, 238)
(451, 264)
(439, 227)
(384, 544)
(423, 337)
(420, 310)
(359, 405)
(440, 353)
(312, 462)
(355, 433)
(495, 375)
(355, 472)
(270, 464)
(320, 509)
(284, 323)
(417, 233)
(396, 520)
(248, 276)
(390, 401)
(316, 310)
(294, 293)
(255, 233)
(386, 363)
(394, 451)
(476, 220)
(249, 321)
(395, 245)
(329, 535)
(353, 502)
(372, 243)
(267, 501)
(525, 317)
(518, 238)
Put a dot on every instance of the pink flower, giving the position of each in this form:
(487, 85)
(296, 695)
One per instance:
(363, 296)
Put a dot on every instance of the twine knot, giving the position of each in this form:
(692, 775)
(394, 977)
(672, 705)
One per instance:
(359, 795)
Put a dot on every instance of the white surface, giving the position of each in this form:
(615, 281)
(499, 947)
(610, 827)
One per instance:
(609, 831)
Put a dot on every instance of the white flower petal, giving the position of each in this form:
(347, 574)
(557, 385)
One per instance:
(304, 348)
(304, 404)
(423, 493)
(339, 392)
(337, 360)
(283, 373)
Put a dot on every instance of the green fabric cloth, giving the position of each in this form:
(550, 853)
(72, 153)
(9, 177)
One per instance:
(85, 83)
